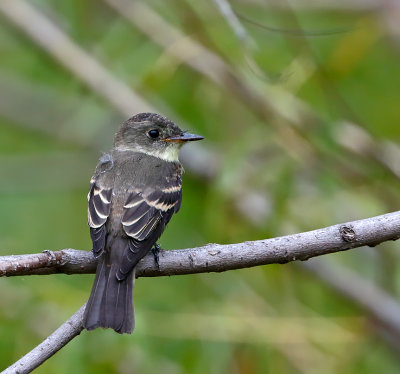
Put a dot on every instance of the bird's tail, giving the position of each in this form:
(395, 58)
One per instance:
(111, 301)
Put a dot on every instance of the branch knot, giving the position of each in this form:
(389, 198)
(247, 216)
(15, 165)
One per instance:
(347, 233)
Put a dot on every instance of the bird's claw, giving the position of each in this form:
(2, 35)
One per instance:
(156, 253)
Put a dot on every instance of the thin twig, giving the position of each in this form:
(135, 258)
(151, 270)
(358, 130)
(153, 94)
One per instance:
(218, 258)
(233, 21)
(51, 345)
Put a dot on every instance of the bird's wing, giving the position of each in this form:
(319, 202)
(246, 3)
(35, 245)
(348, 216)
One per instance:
(146, 213)
(99, 198)
(144, 209)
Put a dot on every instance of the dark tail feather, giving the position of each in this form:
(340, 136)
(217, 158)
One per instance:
(111, 301)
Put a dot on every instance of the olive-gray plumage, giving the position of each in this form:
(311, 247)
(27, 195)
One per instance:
(135, 190)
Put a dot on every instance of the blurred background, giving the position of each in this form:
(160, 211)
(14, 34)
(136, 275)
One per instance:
(300, 106)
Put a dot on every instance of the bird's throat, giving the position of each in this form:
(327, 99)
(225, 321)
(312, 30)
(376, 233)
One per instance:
(170, 153)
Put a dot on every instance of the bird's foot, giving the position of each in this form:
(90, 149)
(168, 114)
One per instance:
(156, 253)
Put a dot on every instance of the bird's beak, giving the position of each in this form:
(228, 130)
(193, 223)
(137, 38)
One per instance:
(185, 137)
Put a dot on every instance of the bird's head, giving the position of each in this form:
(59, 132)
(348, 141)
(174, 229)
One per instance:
(152, 134)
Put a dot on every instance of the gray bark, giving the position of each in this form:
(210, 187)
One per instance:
(52, 344)
(217, 257)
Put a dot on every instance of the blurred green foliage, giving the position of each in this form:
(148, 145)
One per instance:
(268, 319)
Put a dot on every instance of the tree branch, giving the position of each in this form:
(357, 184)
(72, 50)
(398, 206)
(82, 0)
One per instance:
(218, 258)
(210, 258)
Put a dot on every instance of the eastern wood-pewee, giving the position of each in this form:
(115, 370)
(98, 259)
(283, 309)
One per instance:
(135, 190)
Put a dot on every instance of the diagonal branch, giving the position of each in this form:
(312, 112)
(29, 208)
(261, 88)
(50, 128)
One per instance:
(51, 345)
(217, 257)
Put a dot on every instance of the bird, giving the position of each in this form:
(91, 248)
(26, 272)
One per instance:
(135, 190)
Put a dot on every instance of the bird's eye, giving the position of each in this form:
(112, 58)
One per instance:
(154, 134)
